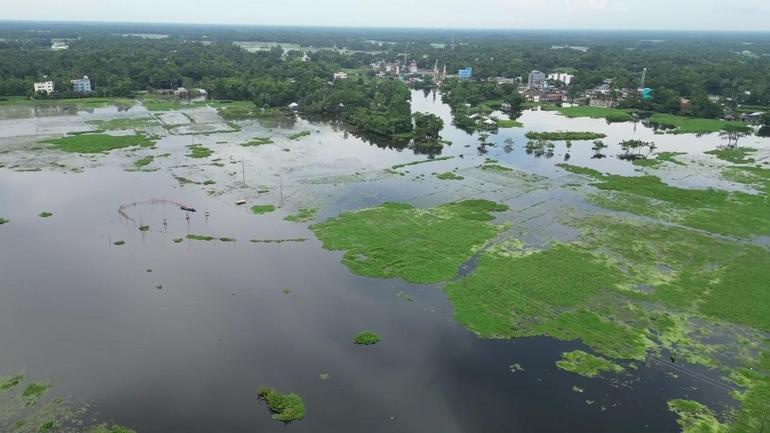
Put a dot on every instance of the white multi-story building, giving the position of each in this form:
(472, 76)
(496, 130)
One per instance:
(45, 86)
(562, 77)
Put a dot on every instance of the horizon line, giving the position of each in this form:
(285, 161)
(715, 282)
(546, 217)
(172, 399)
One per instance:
(381, 27)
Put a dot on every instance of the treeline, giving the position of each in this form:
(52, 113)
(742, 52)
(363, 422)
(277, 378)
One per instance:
(467, 98)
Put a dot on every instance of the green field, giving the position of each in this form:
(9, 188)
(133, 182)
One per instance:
(382, 241)
(611, 114)
(564, 135)
(97, 143)
(691, 125)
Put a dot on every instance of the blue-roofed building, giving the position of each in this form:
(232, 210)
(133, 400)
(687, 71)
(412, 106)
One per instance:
(465, 74)
(82, 85)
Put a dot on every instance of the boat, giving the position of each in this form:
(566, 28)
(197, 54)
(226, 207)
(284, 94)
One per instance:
(188, 209)
(240, 202)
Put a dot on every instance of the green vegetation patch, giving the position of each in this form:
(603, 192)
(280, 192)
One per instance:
(199, 151)
(143, 162)
(695, 417)
(505, 293)
(691, 125)
(611, 114)
(564, 135)
(299, 135)
(724, 212)
(45, 214)
(4, 221)
(262, 209)
(737, 155)
(258, 141)
(418, 245)
(200, 238)
(119, 243)
(366, 338)
(442, 158)
(586, 364)
(97, 143)
(508, 123)
(304, 214)
(119, 124)
(104, 428)
(10, 382)
(660, 158)
(34, 392)
(449, 176)
(284, 407)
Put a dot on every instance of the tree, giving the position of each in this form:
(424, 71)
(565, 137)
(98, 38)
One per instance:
(427, 127)
(732, 133)
(636, 149)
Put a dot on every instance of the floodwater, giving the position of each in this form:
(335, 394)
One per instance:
(169, 337)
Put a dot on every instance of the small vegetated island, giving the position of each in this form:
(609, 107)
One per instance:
(284, 407)
(564, 135)
(366, 338)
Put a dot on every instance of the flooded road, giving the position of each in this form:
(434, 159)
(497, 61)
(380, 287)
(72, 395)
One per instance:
(169, 337)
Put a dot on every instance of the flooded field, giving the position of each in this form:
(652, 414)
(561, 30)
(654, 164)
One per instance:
(167, 320)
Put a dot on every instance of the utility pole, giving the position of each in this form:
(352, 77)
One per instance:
(243, 170)
(281, 183)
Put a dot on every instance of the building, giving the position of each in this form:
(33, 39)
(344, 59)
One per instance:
(82, 85)
(536, 80)
(342, 75)
(561, 77)
(552, 95)
(45, 86)
(465, 74)
(413, 67)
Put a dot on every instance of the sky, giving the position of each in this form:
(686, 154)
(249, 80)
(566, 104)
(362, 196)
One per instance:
(738, 15)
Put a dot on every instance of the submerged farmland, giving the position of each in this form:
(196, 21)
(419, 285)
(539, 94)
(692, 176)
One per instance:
(624, 295)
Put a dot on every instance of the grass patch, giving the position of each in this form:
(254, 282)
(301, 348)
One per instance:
(694, 417)
(200, 238)
(178, 240)
(738, 155)
(691, 125)
(10, 382)
(143, 162)
(299, 135)
(258, 141)
(97, 143)
(120, 124)
(449, 176)
(564, 135)
(508, 123)
(119, 243)
(611, 114)
(164, 105)
(4, 221)
(199, 151)
(660, 158)
(262, 209)
(304, 214)
(443, 158)
(366, 338)
(284, 407)
(724, 212)
(587, 365)
(45, 214)
(34, 392)
(418, 245)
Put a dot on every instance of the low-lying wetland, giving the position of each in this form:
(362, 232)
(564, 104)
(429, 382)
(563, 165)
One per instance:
(623, 294)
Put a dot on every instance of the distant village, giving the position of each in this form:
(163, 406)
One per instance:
(536, 88)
